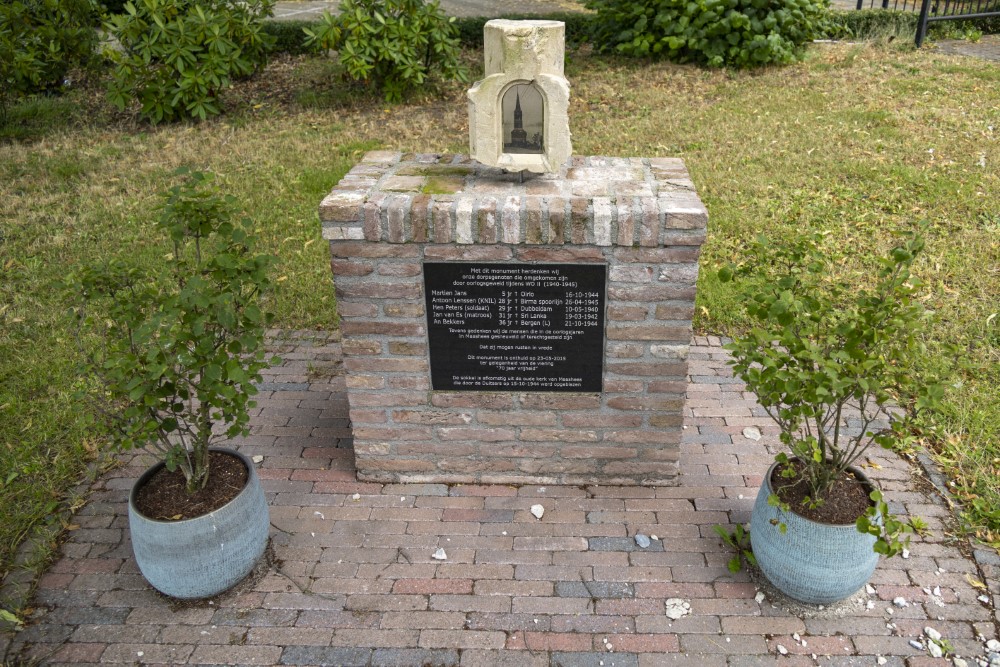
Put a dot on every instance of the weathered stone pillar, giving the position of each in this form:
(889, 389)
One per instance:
(630, 228)
(521, 56)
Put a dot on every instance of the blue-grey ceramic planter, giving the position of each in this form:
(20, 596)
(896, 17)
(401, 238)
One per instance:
(811, 562)
(203, 556)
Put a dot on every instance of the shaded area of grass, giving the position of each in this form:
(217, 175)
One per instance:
(858, 140)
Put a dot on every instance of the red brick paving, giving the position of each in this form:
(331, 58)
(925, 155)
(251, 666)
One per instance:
(353, 581)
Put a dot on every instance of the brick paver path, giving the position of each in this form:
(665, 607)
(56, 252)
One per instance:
(354, 580)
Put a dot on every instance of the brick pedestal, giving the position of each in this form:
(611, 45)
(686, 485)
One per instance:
(641, 217)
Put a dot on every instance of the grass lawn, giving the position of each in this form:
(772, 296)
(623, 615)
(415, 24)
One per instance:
(858, 140)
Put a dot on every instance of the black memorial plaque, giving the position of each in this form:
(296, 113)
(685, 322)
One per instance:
(515, 327)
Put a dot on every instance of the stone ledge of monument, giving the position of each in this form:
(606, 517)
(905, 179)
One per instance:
(444, 199)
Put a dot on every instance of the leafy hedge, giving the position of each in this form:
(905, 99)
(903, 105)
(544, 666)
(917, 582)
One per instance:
(390, 45)
(114, 6)
(40, 40)
(583, 28)
(867, 24)
(289, 36)
(177, 55)
(736, 33)
(872, 23)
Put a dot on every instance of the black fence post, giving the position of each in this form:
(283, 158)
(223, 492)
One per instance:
(922, 22)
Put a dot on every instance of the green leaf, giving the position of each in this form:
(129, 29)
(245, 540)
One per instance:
(136, 393)
(8, 617)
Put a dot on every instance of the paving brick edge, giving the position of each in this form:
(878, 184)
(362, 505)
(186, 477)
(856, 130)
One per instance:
(18, 586)
(986, 558)
(29, 564)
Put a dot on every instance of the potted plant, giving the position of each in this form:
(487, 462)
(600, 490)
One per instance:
(181, 348)
(829, 364)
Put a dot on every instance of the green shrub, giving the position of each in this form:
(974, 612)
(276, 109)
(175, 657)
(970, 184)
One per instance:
(391, 45)
(287, 35)
(40, 40)
(828, 363)
(578, 27)
(468, 29)
(114, 6)
(178, 55)
(735, 33)
(182, 343)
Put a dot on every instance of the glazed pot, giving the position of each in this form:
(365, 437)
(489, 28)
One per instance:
(811, 562)
(206, 555)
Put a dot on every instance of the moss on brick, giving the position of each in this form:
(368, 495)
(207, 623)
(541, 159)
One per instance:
(442, 185)
(433, 170)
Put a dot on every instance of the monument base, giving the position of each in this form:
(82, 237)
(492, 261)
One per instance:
(564, 301)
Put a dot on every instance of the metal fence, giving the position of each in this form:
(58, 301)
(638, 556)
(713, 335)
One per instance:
(952, 10)
(937, 10)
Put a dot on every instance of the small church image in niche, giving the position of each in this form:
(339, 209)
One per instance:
(523, 111)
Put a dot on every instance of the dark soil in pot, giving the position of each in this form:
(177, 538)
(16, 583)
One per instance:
(847, 500)
(164, 498)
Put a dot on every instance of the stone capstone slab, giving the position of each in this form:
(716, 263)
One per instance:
(599, 201)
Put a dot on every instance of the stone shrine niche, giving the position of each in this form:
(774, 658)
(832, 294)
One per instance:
(522, 110)
(518, 114)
